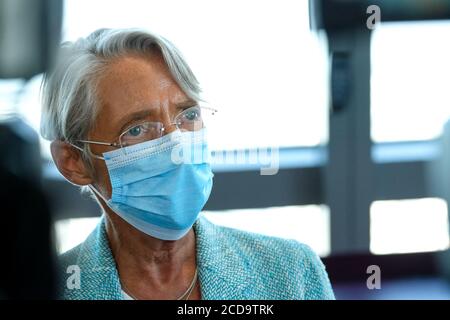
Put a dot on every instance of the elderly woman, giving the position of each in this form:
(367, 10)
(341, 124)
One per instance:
(122, 110)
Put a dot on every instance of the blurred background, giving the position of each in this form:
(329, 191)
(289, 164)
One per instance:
(359, 117)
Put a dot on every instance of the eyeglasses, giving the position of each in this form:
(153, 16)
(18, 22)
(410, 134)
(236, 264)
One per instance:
(191, 119)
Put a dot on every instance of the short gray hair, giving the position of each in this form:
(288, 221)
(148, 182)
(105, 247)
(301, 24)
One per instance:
(69, 95)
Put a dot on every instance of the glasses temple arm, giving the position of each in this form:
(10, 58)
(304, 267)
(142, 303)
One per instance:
(81, 149)
(114, 144)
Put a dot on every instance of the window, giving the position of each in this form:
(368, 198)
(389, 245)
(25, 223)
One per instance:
(410, 69)
(402, 226)
(71, 232)
(409, 107)
(267, 77)
(256, 60)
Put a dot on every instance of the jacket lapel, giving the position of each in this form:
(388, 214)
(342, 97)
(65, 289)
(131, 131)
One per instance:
(223, 273)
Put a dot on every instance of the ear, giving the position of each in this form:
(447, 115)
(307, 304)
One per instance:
(69, 162)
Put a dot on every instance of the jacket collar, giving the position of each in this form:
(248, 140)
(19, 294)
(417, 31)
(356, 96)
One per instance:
(223, 273)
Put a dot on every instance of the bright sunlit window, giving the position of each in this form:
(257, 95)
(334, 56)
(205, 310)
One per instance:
(257, 62)
(410, 71)
(402, 226)
(71, 232)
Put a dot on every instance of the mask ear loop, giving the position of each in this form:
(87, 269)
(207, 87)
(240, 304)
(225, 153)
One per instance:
(102, 197)
(98, 193)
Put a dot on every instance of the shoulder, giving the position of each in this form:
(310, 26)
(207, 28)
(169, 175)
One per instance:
(258, 247)
(77, 255)
(279, 263)
(88, 270)
(69, 257)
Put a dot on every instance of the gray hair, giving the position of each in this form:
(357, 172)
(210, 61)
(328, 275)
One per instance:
(69, 95)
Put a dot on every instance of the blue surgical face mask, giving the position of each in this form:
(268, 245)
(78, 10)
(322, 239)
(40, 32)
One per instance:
(160, 186)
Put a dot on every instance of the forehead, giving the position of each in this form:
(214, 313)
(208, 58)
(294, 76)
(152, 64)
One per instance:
(132, 80)
(132, 84)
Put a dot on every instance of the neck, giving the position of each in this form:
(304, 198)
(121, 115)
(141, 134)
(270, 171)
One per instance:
(151, 268)
(139, 256)
(146, 250)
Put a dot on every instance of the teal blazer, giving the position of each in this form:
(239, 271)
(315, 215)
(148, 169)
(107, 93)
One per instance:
(232, 264)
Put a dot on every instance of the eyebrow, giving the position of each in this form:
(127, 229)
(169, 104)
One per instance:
(138, 115)
(186, 103)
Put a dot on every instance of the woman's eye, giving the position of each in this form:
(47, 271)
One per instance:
(135, 131)
(192, 115)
